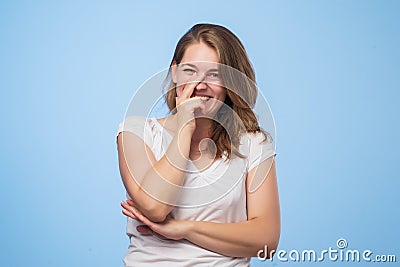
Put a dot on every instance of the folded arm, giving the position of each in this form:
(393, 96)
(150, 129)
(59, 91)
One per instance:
(154, 185)
(245, 239)
(241, 239)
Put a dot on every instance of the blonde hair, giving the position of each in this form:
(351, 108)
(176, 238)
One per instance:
(236, 116)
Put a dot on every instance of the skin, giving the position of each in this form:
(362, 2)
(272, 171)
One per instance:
(241, 239)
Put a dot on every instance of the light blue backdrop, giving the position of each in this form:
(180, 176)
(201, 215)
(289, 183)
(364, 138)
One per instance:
(329, 69)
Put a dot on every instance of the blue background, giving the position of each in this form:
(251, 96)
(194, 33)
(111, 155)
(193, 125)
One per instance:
(329, 69)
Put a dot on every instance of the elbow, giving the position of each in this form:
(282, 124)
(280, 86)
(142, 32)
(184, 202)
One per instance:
(155, 214)
(155, 217)
(152, 210)
(268, 242)
(271, 250)
(265, 251)
(266, 248)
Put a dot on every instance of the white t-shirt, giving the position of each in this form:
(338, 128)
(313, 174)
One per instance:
(217, 194)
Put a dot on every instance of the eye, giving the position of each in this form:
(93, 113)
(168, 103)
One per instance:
(213, 74)
(189, 71)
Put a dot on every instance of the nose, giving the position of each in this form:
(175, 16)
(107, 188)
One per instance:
(202, 83)
(201, 86)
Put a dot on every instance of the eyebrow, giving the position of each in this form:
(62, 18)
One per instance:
(195, 67)
(190, 65)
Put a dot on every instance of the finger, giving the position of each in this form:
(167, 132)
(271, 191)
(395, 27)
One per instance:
(143, 218)
(129, 214)
(127, 210)
(194, 102)
(144, 229)
(188, 90)
(126, 205)
(195, 108)
(202, 105)
(198, 104)
(130, 202)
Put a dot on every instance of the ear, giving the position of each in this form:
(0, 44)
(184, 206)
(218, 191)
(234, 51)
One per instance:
(173, 71)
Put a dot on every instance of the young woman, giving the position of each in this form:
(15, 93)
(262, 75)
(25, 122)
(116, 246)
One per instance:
(201, 182)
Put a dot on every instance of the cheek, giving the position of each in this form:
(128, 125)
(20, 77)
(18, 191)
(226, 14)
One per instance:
(183, 79)
(219, 91)
(179, 90)
(221, 94)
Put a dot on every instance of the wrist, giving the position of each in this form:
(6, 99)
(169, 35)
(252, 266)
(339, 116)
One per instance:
(189, 227)
(186, 129)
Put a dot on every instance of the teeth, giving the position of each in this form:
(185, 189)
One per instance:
(204, 98)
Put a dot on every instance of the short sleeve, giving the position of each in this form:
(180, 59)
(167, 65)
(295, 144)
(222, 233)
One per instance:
(135, 125)
(260, 148)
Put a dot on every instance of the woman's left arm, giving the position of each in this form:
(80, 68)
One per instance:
(245, 239)
(241, 239)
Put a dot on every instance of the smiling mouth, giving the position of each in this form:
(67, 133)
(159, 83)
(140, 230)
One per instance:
(203, 97)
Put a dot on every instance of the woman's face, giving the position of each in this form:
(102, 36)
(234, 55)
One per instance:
(200, 65)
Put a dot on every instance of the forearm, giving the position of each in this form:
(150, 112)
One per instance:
(242, 239)
(160, 187)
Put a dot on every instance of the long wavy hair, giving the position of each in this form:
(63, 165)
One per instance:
(236, 116)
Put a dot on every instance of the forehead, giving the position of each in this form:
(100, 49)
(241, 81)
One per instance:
(200, 52)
